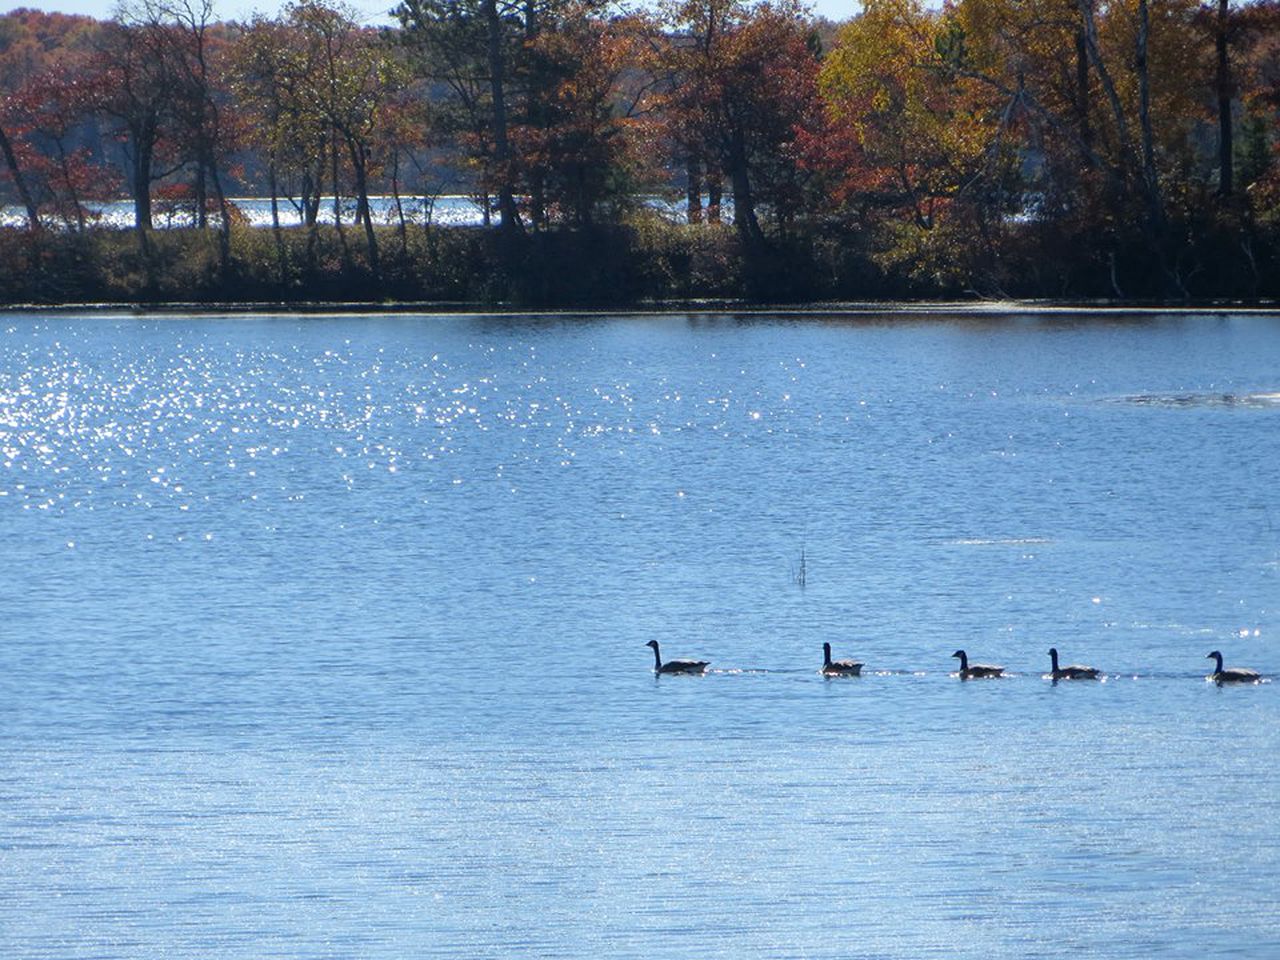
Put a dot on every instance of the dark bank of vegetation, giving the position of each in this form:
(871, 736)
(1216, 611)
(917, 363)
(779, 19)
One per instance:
(1087, 148)
(645, 260)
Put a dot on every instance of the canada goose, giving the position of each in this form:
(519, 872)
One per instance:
(970, 671)
(1072, 672)
(1234, 675)
(839, 668)
(675, 666)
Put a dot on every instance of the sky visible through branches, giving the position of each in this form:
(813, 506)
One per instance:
(374, 10)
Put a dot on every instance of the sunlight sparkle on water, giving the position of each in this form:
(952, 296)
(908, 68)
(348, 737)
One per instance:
(311, 631)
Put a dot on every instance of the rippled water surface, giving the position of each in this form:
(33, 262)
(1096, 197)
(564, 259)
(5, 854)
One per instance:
(324, 636)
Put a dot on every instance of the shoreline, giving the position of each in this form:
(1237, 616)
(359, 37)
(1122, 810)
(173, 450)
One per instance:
(800, 311)
(707, 307)
(645, 266)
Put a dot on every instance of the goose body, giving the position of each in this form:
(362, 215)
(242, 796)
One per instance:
(976, 671)
(839, 668)
(1231, 674)
(675, 666)
(1071, 672)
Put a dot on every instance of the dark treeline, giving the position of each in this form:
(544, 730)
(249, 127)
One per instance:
(1074, 148)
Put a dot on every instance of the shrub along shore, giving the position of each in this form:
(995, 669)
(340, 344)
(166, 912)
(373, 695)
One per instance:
(646, 260)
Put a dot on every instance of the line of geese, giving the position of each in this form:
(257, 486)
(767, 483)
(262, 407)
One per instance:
(968, 671)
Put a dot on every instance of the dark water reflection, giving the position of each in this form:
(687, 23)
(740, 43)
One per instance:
(323, 636)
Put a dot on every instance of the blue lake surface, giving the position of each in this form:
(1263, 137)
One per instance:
(324, 636)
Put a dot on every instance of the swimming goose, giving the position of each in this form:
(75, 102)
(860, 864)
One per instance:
(974, 671)
(1234, 675)
(839, 668)
(675, 666)
(1072, 672)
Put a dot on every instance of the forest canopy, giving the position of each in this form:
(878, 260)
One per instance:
(1064, 148)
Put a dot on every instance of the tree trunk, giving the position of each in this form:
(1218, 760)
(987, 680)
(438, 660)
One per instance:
(76, 206)
(744, 204)
(1108, 86)
(1082, 88)
(1151, 183)
(693, 190)
(20, 183)
(140, 174)
(1226, 168)
(311, 187)
(402, 224)
(275, 196)
(202, 197)
(359, 166)
(275, 216)
(537, 202)
(509, 218)
(224, 220)
(537, 89)
(337, 199)
(1155, 216)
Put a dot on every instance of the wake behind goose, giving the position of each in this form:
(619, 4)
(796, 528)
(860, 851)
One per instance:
(1261, 398)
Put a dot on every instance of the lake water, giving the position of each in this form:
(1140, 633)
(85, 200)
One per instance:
(324, 636)
(450, 210)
